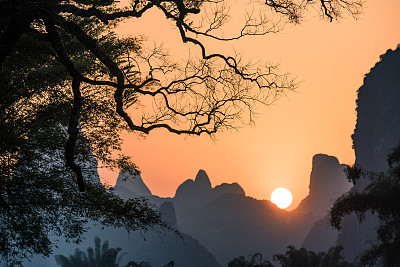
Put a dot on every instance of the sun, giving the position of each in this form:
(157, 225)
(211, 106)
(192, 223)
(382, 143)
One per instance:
(282, 197)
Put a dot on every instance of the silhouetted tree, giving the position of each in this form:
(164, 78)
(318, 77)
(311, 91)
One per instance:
(255, 261)
(39, 196)
(333, 258)
(303, 258)
(298, 258)
(380, 196)
(146, 264)
(67, 81)
(141, 264)
(100, 256)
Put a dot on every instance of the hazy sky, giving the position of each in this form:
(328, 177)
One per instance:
(328, 59)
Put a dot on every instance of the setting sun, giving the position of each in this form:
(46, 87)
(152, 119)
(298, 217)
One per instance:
(282, 197)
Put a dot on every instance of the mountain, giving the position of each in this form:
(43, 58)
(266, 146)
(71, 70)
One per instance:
(327, 182)
(230, 224)
(321, 236)
(130, 184)
(198, 192)
(377, 131)
(233, 225)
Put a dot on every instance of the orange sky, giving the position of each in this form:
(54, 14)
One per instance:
(330, 60)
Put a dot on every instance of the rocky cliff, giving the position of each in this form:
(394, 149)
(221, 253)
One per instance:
(377, 131)
(327, 182)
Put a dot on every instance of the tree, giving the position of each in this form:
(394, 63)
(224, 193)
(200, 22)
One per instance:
(69, 86)
(255, 261)
(301, 257)
(333, 258)
(380, 196)
(297, 258)
(100, 256)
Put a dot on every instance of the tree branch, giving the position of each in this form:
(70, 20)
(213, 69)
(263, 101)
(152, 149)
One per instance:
(103, 16)
(73, 126)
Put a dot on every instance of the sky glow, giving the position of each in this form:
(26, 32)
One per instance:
(328, 59)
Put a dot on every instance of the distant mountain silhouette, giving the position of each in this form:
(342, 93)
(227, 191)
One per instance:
(233, 225)
(229, 223)
(377, 131)
(327, 182)
(129, 185)
(199, 192)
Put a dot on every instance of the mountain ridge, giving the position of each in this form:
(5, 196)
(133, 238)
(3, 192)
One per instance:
(229, 223)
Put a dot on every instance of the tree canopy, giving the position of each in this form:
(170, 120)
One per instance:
(256, 260)
(304, 258)
(69, 86)
(296, 258)
(380, 196)
(100, 256)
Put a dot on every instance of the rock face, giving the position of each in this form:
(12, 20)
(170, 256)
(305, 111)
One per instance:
(378, 113)
(377, 132)
(321, 236)
(131, 185)
(327, 182)
(167, 211)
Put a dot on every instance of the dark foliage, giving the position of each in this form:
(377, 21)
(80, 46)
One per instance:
(146, 264)
(100, 256)
(255, 261)
(296, 258)
(380, 196)
(304, 258)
